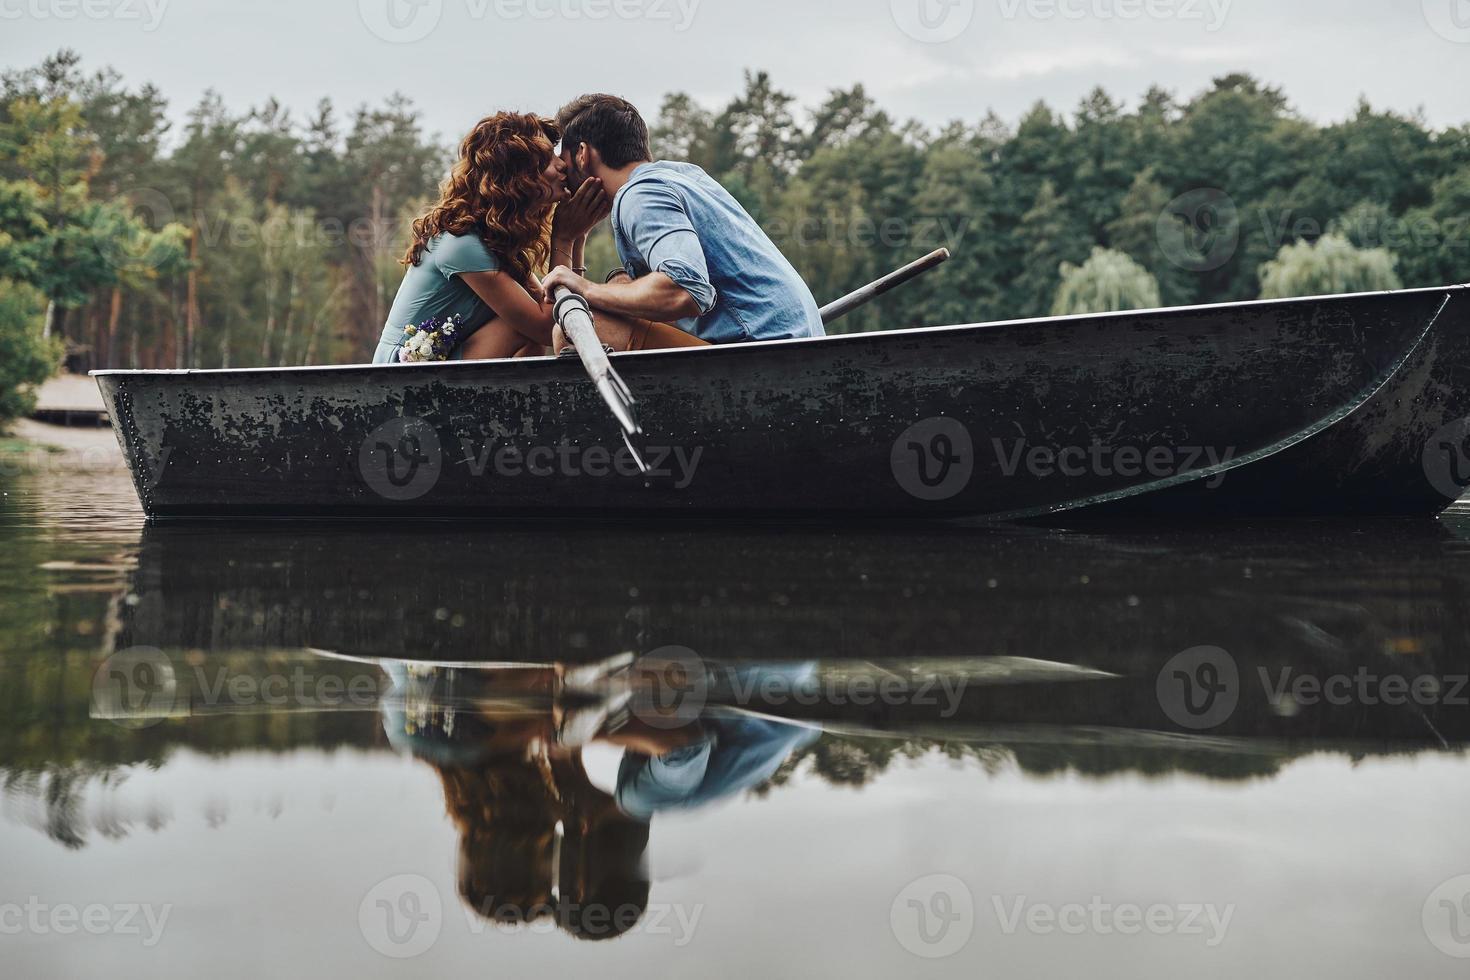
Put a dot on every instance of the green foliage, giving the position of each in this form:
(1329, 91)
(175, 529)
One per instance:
(1332, 265)
(1051, 240)
(1136, 231)
(1434, 241)
(1108, 282)
(25, 358)
(257, 236)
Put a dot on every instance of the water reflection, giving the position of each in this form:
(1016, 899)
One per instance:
(720, 669)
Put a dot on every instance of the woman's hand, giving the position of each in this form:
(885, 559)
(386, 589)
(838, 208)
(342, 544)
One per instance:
(578, 216)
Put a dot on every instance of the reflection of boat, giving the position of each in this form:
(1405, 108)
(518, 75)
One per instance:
(1311, 600)
(1300, 406)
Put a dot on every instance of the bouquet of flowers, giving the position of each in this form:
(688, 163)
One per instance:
(432, 340)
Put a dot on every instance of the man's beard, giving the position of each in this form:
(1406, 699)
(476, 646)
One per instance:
(576, 176)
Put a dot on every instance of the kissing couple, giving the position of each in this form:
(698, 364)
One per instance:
(522, 198)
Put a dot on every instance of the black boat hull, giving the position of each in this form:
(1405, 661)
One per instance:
(1338, 405)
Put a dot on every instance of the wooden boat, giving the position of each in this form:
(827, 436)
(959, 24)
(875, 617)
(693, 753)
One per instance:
(1334, 405)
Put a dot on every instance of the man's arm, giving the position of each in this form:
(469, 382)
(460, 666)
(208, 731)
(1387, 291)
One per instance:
(653, 221)
(654, 297)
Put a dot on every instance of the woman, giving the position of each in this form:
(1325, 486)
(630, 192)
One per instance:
(537, 840)
(476, 251)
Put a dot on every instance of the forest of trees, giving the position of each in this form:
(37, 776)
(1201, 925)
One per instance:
(259, 237)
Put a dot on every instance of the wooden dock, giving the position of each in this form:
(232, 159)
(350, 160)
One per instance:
(70, 399)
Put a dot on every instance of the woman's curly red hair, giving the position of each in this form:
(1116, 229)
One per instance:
(495, 191)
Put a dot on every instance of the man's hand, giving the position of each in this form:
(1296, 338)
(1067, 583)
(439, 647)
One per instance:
(562, 276)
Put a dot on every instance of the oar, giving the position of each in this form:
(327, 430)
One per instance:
(840, 308)
(575, 318)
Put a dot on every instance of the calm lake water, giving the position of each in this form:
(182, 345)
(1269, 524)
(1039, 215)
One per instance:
(910, 751)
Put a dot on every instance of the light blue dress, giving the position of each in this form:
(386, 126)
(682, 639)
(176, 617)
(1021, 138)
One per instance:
(433, 288)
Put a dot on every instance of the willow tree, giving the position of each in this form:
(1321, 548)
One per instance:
(1333, 265)
(1107, 282)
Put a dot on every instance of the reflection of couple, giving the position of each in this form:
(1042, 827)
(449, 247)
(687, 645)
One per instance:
(696, 268)
(538, 839)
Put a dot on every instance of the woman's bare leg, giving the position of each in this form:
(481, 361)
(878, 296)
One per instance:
(625, 334)
(493, 341)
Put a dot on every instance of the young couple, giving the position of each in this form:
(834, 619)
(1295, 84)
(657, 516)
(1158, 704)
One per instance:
(524, 195)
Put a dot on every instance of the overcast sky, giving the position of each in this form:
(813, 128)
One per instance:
(931, 59)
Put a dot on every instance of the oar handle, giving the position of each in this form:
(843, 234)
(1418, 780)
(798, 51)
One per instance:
(862, 297)
(574, 317)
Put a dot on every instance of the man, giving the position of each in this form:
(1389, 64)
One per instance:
(692, 256)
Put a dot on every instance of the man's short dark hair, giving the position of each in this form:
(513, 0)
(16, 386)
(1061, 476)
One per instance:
(610, 125)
